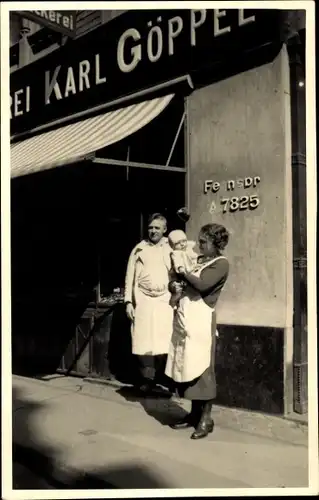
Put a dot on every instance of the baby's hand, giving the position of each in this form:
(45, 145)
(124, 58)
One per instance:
(175, 287)
(181, 270)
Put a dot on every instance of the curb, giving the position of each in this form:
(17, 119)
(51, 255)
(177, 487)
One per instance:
(108, 382)
(295, 420)
(118, 385)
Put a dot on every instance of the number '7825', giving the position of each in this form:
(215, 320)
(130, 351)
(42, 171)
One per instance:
(240, 203)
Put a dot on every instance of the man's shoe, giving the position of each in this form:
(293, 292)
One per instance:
(191, 419)
(147, 387)
(184, 423)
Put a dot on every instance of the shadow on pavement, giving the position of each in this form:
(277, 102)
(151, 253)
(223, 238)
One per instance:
(157, 405)
(36, 467)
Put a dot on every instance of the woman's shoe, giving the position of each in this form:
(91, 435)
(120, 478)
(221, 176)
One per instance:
(203, 429)
(206, 423)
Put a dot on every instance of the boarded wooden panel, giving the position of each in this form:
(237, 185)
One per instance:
(99, 364)
(87, 20)
(82, 332)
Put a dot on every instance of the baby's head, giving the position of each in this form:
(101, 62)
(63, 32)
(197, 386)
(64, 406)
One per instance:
(177, 240)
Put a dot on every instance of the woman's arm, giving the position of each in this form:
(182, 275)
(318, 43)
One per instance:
(209, 276)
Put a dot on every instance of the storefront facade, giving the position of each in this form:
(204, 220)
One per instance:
(163, 109)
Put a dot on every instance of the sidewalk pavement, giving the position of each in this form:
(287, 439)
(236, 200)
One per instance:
(81, 435)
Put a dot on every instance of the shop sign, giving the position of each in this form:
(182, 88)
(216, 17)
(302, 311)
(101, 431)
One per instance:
(63, 21)
(229, 202)
(134, 51)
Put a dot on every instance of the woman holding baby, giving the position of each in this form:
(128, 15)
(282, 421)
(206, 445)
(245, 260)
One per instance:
(191, 356)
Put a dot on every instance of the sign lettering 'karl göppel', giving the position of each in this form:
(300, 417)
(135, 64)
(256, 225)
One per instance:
(132, 52)
(89, 76)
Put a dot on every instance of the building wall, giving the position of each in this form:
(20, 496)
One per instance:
(87, 20)
(240, 127)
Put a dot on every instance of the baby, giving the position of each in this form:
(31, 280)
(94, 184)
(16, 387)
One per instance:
(183, 257)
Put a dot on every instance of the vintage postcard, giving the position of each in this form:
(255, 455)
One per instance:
(158, 227)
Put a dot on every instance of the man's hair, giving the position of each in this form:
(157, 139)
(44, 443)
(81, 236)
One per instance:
(157, 216)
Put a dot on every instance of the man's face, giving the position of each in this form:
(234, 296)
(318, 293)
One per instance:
(156, 230)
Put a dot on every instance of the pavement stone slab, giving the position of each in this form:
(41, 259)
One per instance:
(122, 440)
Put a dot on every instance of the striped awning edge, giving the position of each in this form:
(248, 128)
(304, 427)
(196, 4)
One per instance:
(78, 140)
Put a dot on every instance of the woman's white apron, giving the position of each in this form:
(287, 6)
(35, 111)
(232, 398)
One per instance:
(189, 353)
(153, 321)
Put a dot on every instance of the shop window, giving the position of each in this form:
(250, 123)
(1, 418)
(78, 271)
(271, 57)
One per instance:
(43, 39)
(14, 56)
(15, 28)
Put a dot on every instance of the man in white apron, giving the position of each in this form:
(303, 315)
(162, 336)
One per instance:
(147, 301)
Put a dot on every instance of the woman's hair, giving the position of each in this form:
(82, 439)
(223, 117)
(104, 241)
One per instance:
(157, 216)
(217, 233)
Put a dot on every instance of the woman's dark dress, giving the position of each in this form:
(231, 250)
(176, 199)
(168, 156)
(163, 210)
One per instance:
(209, 284)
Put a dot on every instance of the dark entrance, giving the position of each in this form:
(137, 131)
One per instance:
(72, 231)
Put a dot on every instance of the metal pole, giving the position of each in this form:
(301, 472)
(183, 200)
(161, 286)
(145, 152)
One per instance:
(175, 140)
(298, 131)
(128, 159)
(187, 155)
(133, 164)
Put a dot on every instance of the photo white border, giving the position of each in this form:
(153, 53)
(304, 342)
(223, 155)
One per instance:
(7, 492)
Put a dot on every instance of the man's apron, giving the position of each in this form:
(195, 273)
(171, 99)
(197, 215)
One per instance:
(189, 353)
(153, 321)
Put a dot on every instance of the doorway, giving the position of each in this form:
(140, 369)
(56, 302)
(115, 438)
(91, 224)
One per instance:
(123, 204)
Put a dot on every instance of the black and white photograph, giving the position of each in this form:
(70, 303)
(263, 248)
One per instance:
(158, 229)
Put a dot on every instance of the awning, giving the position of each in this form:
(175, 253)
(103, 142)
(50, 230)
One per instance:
(75, 142)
